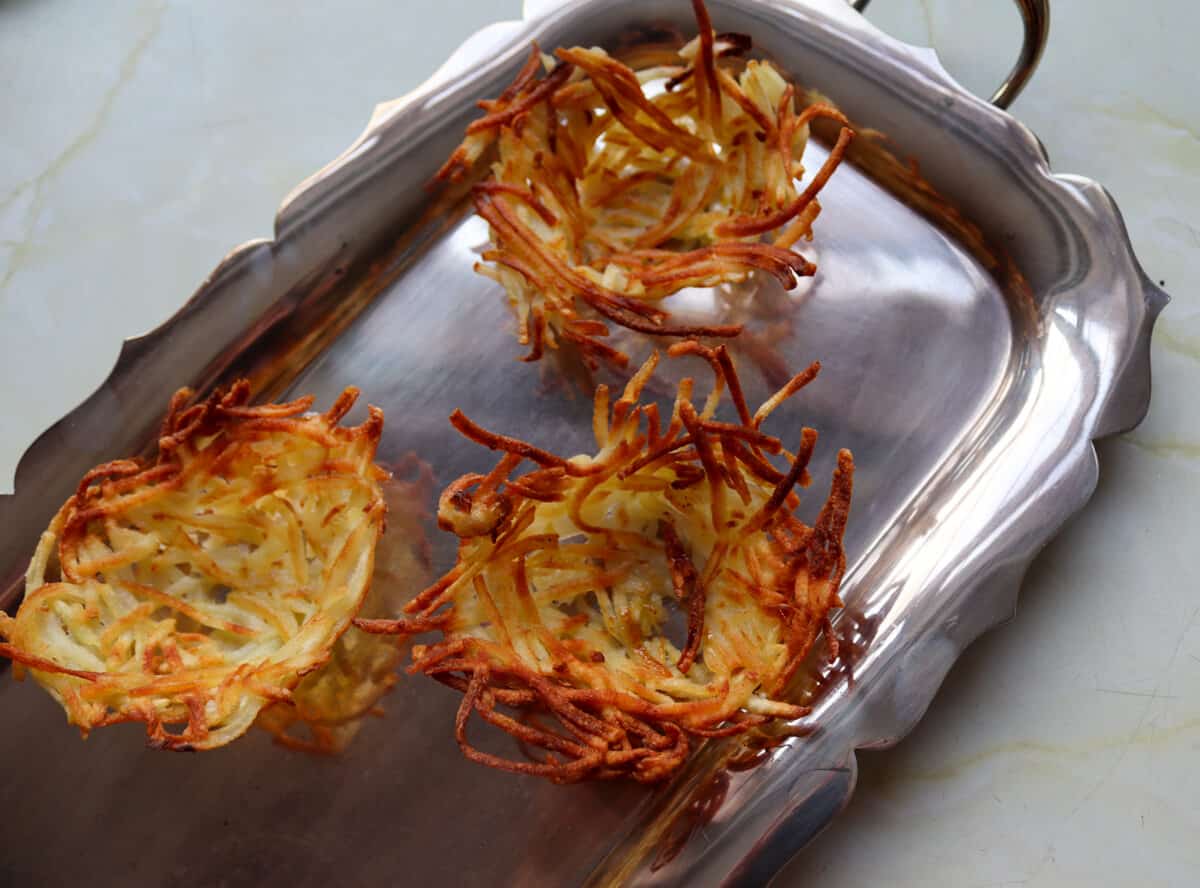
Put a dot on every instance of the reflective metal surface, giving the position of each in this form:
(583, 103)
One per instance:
(969, 394)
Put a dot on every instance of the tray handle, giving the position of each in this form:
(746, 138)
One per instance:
(1035, 15)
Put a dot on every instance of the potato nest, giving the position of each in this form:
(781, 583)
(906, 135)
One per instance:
(558, 607)
(613, 188)
(191, 592)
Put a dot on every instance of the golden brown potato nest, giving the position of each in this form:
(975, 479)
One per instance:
(610, 188)
(567, 576)
(191, 592)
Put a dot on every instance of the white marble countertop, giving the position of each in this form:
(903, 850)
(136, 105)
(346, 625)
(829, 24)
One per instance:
(137, 146)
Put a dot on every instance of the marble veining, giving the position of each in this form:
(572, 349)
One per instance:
(35, 204)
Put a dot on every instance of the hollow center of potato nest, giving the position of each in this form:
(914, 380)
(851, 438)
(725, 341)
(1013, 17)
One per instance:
(627, 612)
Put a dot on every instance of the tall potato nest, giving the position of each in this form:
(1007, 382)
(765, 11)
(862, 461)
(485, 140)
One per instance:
(555, 619)
(193, 592)
(612, 189)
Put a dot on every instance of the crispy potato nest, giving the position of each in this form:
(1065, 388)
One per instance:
(191, 592)
(613, 188)
(554, 620)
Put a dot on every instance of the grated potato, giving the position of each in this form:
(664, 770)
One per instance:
(192, 592)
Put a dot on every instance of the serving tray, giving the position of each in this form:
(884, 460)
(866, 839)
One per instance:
(980, 321)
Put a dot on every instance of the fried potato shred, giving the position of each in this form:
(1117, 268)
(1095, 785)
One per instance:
(191, 592)
(612, 189)
(556, 618)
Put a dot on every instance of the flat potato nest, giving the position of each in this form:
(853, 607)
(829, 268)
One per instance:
(558, 607)
(191, 592)
(612, 189)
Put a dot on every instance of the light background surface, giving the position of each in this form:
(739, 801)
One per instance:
(141, 143)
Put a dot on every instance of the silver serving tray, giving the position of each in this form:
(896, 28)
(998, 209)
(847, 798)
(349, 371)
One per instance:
(970, 399)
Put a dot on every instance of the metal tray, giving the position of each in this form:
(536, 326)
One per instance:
(978, 327)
